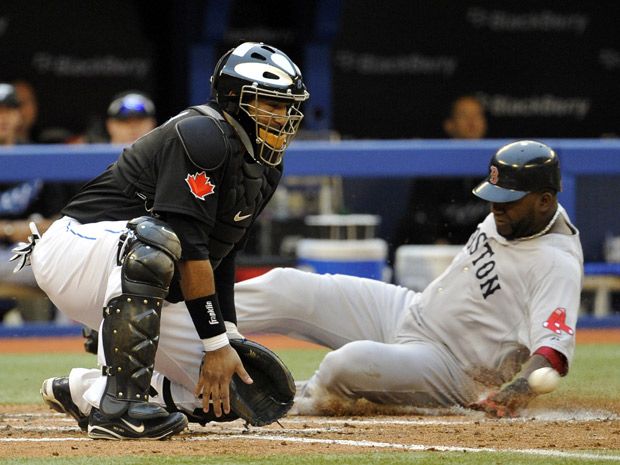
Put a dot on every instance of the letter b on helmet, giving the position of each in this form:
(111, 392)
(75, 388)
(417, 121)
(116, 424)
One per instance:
(519, 168)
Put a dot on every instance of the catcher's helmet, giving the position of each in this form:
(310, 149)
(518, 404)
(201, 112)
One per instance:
(519, 168)
(253, 71)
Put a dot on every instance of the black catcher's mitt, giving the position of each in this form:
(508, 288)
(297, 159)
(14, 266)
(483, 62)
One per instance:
(272, 393)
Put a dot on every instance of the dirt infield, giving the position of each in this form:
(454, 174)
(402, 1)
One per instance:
(552, 426)
(543, 432)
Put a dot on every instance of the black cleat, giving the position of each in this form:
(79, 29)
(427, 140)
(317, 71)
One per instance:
(56, 394)
(91, 340)
(199, 416)
(102, 427)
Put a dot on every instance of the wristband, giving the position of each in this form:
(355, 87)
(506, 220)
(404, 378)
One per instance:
(213, 343)
(555, 358)
(207, 317)
(231, 331)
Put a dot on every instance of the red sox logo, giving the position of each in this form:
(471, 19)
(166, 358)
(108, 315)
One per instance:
(557, 322)
(199, 185)
(493, 175)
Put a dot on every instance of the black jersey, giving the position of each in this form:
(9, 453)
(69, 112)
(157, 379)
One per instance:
(192, 171)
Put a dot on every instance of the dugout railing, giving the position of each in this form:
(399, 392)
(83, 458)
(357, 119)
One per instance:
(371, 158)
(592, 159)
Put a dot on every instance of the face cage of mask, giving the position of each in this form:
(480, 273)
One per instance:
(280, 129)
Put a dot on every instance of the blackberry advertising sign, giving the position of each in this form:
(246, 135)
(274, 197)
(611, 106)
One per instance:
(542, 68)
(546, 69)
(76, 55)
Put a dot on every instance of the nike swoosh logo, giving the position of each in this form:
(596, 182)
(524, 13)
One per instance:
(240, 217)
(137, 429)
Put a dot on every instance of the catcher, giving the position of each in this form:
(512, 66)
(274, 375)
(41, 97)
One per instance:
(163, 225)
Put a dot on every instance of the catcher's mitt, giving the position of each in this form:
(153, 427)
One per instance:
(272, 393)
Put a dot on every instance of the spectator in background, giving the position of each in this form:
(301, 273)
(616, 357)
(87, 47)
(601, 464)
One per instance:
(10, 116)
(445, 212)
(29, 132)
(29, 109)
(466, 120)
(21, 203)
(130, 116)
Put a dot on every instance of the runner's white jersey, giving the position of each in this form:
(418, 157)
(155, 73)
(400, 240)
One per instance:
(499, 300)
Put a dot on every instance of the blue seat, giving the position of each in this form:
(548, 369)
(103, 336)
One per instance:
(605, 268)
(603, 279)
(6, 305)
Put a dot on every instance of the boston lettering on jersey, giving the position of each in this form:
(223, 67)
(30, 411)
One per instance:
(484, 264)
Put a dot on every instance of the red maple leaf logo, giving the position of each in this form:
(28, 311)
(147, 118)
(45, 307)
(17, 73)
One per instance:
(557, 322)
(199, 185)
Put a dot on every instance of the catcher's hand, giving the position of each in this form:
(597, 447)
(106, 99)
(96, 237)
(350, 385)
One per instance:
(272, 393)
(507, 402)
(215, 380)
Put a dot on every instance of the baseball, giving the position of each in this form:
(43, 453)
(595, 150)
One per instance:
(544, 380)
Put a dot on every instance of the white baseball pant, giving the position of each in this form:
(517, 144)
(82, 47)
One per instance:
(379, 353)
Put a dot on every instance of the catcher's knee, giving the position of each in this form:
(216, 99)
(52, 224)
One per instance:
(148, 255)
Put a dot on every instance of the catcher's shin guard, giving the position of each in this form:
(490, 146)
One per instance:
(130, 329)
(130, 334)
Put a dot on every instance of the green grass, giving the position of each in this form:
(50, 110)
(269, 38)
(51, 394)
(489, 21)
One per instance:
(595, 373)
(22, 374)
(302, 362)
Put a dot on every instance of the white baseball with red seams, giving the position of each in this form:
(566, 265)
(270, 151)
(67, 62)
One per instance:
(544, 380)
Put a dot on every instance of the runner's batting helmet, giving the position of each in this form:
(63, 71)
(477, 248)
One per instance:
(519, 168)
(253, 71)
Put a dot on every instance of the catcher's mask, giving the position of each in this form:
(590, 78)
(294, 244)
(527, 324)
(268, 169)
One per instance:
(256, 72)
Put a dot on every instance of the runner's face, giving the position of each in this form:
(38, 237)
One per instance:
(519, 218)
